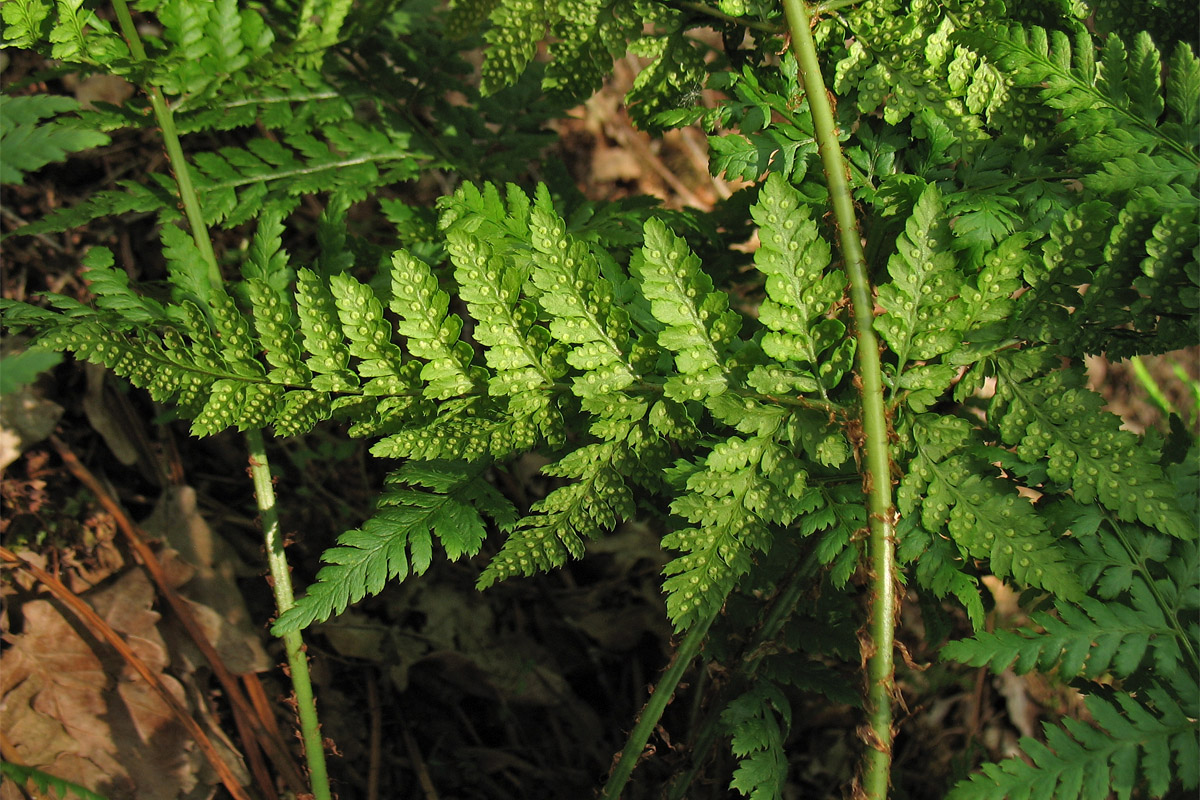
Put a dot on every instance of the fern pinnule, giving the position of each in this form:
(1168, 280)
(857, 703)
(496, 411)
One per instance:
(557, 526)
(444, 498)
(430, 332)
(1131, 747)
(698, 326)
(581, 302)
(800, 293)
(1055, 418)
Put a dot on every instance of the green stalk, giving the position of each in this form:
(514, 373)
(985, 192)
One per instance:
(878, 484)
(293, 643)
(179, 165)
(306, 709)
(653, 710)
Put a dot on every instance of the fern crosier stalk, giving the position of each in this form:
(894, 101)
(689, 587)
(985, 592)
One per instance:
(878, 482)
(306, 708)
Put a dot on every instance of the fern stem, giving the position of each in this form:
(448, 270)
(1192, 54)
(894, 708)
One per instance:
(653, 710)
(306, 709)
(179, 164)
(709, 11)
(881, 546)
(281, 584)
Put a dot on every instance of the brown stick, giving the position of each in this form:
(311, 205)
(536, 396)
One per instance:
(274, 745)
(102, 628)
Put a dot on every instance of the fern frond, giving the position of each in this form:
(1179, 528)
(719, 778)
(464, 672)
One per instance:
(28, 144)
(734, 497)
(839, 518)
(557, 526)
(587, 36)
(26, 22)
(78, 35)
(698, 327)
(1088, 638)
(923, 309)
(517, 27)
(1132, 747)
(206, 44)
(800, 290)
(758, 723)
(430, 332)
(21, 775)
(327, 355)
(582, 304)
(234, 184)
(1055, 418)
(939, 567)
(1111, 107)
(985, 518)
(470, 428)
(448, 499)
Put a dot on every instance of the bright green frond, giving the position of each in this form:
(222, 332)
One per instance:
(444, 498)
(559, 524)
(28, 144)
(1130, 748)
(698, 326)
(324, 343)
(983, 516)
(1055, 418)
(800, 290)
(583, 308)
(431, 333)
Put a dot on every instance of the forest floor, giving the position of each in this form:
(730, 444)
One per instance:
(431, 689)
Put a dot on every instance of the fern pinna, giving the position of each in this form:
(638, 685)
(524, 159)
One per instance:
(1027, 190)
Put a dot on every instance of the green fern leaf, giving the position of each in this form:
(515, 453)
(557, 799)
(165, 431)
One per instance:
(131, 198)
(27, 144)
(758, 723)
(467, 16)
(517, 27)
(430, 332)
(800, 293)
(443, 498)
(469, 429)
(379, 359)
(923, 309)
(1183, 86)
(78, 35)
(939, 567)
(21, 775)
(983, 517)
(558, 525)
(1053, 417)
(113, 293)
(698, 326)
(1089, 639)
(26, 22)
(743, 487)
(840, 518)
(328, 357)
(1081, 762)
(672, 81)
(519, 350)
(582, 305)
